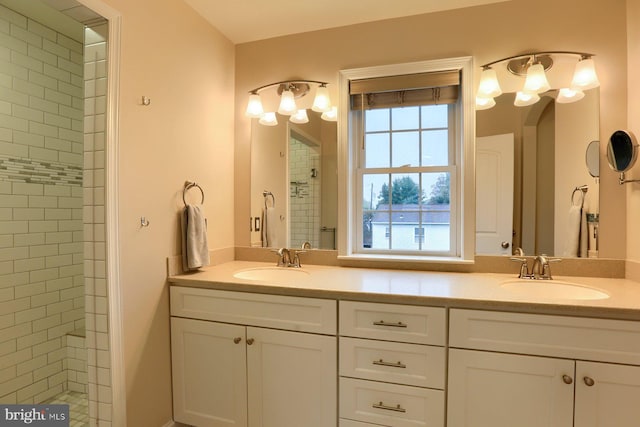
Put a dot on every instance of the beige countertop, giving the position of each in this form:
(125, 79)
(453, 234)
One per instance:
(462, 290)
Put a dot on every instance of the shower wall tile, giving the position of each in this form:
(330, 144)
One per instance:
(40, 191)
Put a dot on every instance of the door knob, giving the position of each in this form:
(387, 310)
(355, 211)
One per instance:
(237, 340)
(250, 341)
(589, 381)
(567, 379)
(505, 245)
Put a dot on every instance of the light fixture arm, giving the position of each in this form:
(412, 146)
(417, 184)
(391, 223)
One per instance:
(286, 82)
(582, 55)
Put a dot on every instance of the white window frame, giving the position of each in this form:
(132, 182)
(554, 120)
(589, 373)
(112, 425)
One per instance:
(464, 182)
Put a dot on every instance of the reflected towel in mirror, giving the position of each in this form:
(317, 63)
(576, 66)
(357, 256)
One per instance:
(269, 225)
(195, 248)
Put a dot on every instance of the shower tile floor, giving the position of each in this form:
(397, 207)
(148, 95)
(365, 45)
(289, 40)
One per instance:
(78, 407)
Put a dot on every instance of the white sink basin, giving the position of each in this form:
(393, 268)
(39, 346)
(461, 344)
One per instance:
(552, 289)
(277, 275)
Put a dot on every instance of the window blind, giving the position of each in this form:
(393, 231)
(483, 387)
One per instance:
(405, 90)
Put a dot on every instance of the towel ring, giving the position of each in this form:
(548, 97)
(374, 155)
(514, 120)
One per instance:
(188, 185)
(581, 190)
(266, 194)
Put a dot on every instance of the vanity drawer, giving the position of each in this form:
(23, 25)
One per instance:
(391, 404)
(558, 336)
(410, 364)
(271, 311)
(392, 322)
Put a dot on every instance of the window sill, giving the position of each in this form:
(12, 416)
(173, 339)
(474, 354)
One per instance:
(405, 259)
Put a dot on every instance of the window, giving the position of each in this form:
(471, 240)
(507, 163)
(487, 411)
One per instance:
(406, 158)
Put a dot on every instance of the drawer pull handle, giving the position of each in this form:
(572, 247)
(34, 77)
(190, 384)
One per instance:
(237, 340)
(567, 379)
(391, 364)
(393, 325)
(396, 408)
(250, 341)
(589, 382)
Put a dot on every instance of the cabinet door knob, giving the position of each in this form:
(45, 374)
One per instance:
(567, 379)
(250, 341)
(589, 381)
(237, 340)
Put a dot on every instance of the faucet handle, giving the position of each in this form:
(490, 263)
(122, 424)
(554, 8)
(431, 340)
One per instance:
(524, 267)
(296, 258)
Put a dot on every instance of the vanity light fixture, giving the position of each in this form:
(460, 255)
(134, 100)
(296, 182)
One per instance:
(534, 67)
(291, 103)
(331, 115)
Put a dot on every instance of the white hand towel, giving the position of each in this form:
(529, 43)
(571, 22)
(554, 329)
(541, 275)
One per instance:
(195, 248)
(269, 225)
(584, 233)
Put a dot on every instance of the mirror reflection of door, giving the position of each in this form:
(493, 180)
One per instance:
(304, 189)
(494, 194)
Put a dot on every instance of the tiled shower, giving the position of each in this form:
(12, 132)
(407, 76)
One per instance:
(53, 297)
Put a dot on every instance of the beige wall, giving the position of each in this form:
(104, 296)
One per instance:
(186, 67)
(595, 26)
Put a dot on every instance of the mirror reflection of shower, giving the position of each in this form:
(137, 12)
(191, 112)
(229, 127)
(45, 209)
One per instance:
(304, 189)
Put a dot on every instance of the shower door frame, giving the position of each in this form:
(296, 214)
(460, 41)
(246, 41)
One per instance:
(118, 398)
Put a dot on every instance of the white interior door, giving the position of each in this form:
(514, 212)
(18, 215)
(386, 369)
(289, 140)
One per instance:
(494, 194)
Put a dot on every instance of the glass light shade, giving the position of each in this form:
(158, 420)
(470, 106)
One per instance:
(536, 81)
(254, 107)
(268, 119)
(331, 115)
(300, 117)
(321, 102)
(585, 77)
(525, 98)
(287, 103)
(489, 86)
(567, 95)
(483, 103)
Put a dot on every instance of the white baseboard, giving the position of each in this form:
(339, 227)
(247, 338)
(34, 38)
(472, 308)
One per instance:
(174, 424)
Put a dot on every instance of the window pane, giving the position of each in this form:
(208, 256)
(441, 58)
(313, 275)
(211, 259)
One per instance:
(436, 217)
(375, 189)
(435, 116)
(435, 148)
(405, 191)
(377, 153)
(375, 229)
(406, 149)
(403, 224)
(376, 120)
(405, 118)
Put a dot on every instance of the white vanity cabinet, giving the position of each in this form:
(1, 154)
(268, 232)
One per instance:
(392, 365)
(243, 359)
(530, 370)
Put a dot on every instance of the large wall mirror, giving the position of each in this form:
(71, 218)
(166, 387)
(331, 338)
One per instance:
(537, 177)
(546, 179)
(294, 183)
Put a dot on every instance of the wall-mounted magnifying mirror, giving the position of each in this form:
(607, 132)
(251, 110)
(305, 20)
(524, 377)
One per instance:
(592, 158)
(622, 153)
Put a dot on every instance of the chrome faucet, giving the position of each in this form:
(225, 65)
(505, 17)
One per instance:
(288, 257)
(541, 268)
(284, 257)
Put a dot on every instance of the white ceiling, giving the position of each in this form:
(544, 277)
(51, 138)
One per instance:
(249, 20)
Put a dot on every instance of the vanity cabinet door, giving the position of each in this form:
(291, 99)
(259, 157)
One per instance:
(504, 390)
(292, 379)
(209, 373)
(607, 395)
